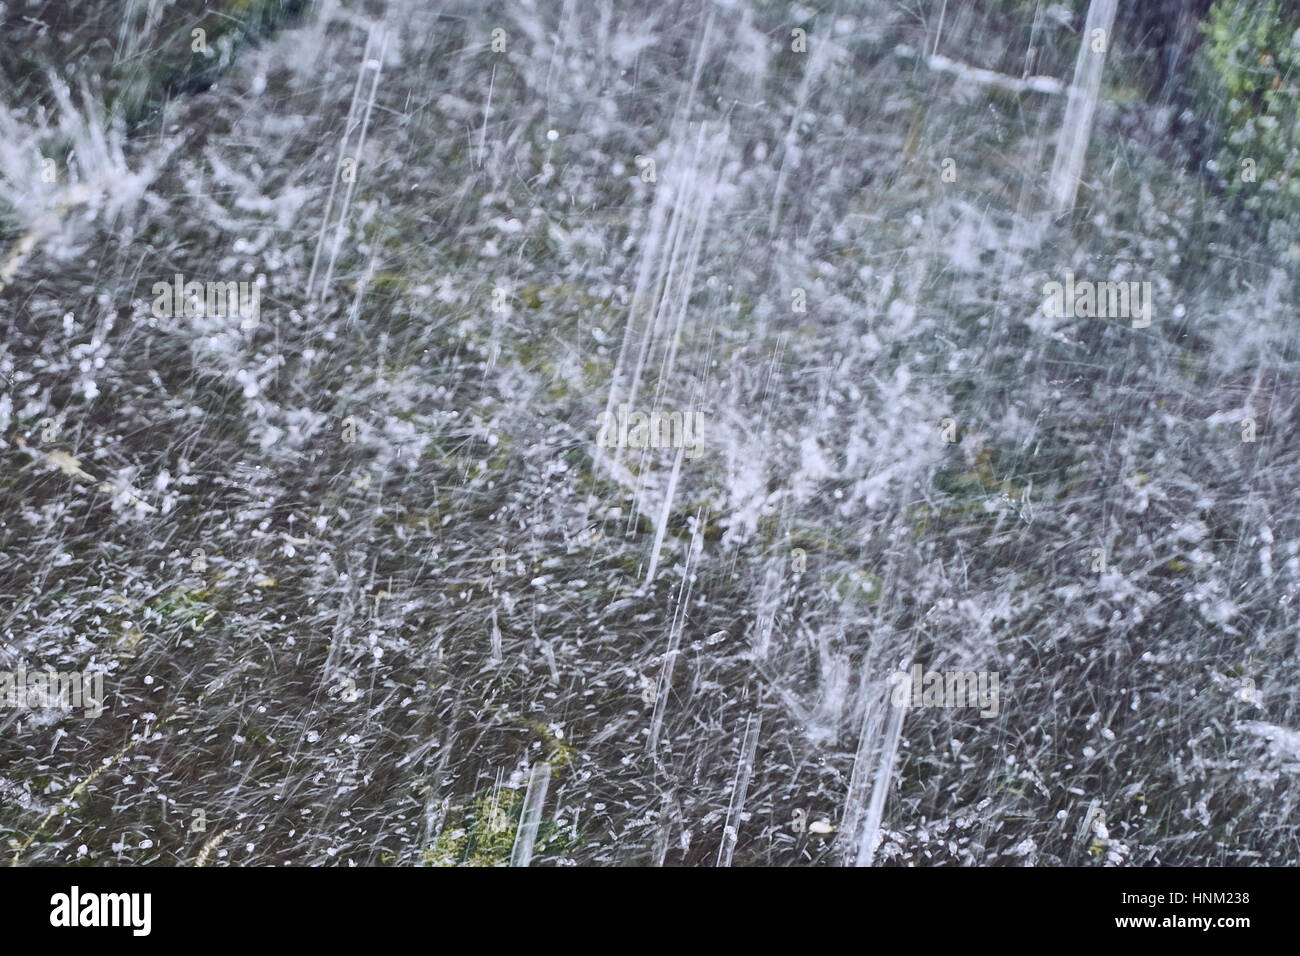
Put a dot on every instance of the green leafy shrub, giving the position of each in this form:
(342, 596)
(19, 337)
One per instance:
(484, 834)
(1253, 52)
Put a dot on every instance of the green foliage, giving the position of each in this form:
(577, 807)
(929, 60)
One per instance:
(1253, 50)
(187, 607)
(484, 835)
(859, 587)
